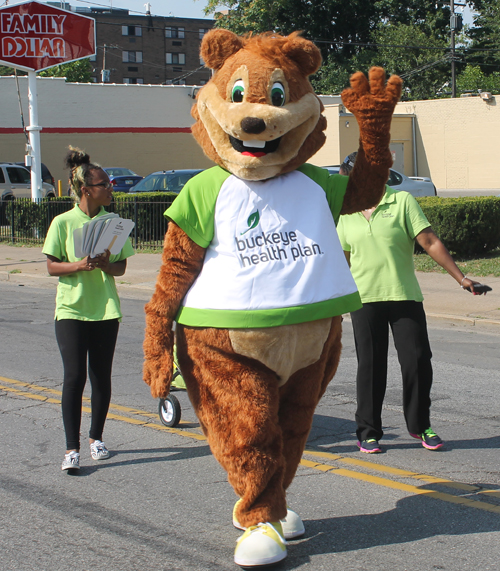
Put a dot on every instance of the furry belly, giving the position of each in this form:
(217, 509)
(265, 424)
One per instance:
(284, 349)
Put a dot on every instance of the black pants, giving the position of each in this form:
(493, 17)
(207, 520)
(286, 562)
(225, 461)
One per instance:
(371, 335)
(77, 340)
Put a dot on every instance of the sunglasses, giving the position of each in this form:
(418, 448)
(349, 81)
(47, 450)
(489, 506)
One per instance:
(102, 184)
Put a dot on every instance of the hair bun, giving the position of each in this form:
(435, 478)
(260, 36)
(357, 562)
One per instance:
(76, 157)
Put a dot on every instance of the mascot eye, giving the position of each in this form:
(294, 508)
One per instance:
(238, 92)
(278, 95)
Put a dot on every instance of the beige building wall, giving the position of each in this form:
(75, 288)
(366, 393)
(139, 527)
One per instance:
(458, 141)
(453, 141)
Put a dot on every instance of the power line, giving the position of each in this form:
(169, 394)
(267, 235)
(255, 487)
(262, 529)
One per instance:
(402, 46)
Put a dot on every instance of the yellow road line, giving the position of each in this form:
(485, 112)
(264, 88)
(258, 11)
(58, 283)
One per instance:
(85, 399)
(327, 468)
(390, 470)
(127, 419)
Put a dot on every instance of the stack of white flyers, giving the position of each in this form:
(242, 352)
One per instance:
(107, 232)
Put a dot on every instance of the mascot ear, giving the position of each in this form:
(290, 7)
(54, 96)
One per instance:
(218, 45)
(303, 52)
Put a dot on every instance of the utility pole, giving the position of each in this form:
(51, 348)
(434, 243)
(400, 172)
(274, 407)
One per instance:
(456, 23)
(104, 71)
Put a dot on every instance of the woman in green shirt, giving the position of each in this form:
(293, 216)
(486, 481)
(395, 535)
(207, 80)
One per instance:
(379, 244)
(87, 307)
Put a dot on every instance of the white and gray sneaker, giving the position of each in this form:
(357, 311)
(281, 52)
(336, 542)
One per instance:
(98, 450)
(71, 461)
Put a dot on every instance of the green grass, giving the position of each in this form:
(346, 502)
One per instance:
(488, 265)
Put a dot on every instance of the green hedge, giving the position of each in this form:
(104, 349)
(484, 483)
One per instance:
(467, 226)
(32, 219)
(150, 224)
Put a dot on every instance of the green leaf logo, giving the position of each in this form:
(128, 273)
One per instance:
(252, 221)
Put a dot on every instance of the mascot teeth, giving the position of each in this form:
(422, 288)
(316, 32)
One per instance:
(254, 144)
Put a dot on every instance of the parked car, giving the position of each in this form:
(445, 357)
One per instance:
(415, 185)
(122, 179)
(15, 182)
(165, 181)
(46, 174)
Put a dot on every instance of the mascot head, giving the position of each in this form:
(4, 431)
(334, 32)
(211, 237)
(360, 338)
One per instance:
(258, 116)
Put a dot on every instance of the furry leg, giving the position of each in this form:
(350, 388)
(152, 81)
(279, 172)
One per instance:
(236, 400)
(300, 396)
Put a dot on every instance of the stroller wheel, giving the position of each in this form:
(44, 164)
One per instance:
(169, 410)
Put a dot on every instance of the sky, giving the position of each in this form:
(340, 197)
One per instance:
(178, 8)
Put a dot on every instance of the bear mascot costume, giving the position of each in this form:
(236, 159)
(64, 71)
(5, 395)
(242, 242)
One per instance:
(253, 274)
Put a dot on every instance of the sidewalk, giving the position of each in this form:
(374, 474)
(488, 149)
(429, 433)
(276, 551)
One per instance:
(444, 299)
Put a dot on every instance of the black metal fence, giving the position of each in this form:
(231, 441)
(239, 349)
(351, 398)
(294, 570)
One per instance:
(24, 221)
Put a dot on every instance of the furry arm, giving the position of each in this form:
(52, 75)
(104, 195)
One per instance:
(181, 263)
(372, 102)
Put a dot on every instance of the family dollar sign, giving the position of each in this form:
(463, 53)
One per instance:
(35, 36)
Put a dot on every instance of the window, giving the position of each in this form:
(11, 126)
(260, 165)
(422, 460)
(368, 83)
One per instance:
(131, 57)
(18, 175)
(174, 32)
(394, 178)
(202, 32)
(201, 61)
(133, 80)
(179, 59)
(2, 176)
(93, 57)
(131, 31)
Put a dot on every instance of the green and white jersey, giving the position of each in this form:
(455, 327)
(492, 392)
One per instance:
(273, 255)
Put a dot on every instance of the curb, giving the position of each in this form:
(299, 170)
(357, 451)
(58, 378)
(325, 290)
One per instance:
(470, 320)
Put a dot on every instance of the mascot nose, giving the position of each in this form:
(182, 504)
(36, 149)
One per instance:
(253, 125)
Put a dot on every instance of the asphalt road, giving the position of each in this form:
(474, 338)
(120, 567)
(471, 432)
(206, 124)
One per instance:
(161, 501)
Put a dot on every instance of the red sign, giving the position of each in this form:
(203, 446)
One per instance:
(35, 36)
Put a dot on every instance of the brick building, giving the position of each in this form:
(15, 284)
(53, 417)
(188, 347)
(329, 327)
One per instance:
(134, 48)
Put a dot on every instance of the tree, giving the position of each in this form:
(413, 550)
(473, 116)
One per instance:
(75, 71)
(336, 26)
(485, 36)
(331, 78)
(417, 54)
(473, 79)
(407, 37)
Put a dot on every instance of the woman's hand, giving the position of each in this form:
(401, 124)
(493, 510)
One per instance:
(56, 267)
(86, 265)
(469, 285)
(101, 261)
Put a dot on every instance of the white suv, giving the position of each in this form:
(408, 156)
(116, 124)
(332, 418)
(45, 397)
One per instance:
(15, 182)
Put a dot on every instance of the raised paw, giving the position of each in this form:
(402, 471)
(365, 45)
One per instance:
(372, 94)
